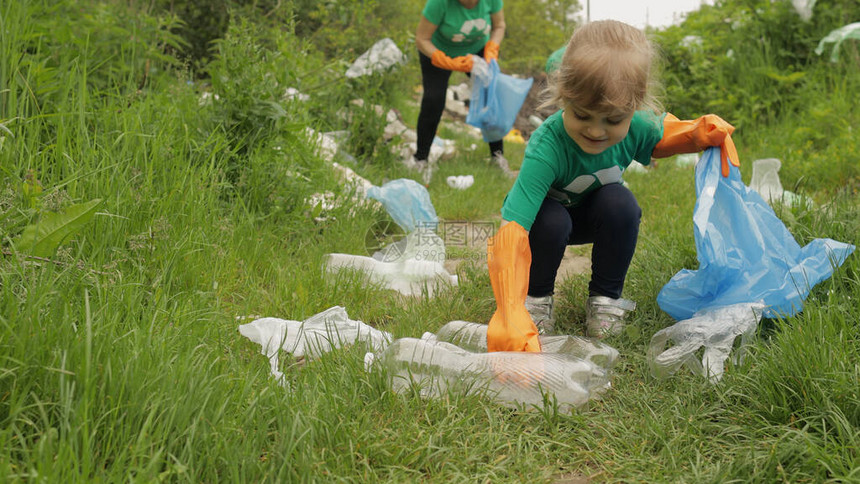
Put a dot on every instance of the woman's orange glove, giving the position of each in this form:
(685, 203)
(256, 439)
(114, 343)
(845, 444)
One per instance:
(491, 51)
(462, 63)
(693, 136)
(509, 259)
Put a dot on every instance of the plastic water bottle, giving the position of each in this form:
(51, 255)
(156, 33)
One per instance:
(409, 277)
(473, 337)
(435, 368)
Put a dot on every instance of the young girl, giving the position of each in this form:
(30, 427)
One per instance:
(569, 189)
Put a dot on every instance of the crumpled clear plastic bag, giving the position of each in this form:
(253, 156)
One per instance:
(408, 203)
(715, 330)
(381, 55)
(745, 252)
(312, 337)
(836, 37)
(496, 99)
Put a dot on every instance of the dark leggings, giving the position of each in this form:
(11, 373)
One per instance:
(435, 82)
(608, 218)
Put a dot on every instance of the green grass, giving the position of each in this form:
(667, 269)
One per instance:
(120, 358)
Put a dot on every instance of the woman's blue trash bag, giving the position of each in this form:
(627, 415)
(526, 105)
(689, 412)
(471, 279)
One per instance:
(745, 252)
(408, 203)
(496, 100)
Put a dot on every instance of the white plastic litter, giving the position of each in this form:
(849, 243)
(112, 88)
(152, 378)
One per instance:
(687, 159)
(460, 182)
(411, 265)
(804, 8)
(328, 146)
(380, 56)
(715, 330)
(293, 94)
(455, 105)
(473, 337)
(409, 277)
(361, 184)
(422, 244)
(836, 37)
(434, 368)
(765, 180)
(312, 337)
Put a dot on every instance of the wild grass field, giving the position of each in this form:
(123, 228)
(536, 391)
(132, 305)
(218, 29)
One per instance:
(153, 188)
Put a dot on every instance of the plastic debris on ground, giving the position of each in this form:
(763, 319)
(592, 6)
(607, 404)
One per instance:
(496, 99)
(328, 147)
(293, 94)
(381, 55)
(714, 332)
(455, 105)
(414, 265)
(836, 37)
(473, 337)
(804, 8)
(745, 252)
(765, 181)
(408, 203)
(408, 277)
(460, 182)
(312, 337)
(514, 136)
(747, 257)
(435, 368)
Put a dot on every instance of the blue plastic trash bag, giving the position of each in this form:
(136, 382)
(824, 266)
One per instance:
(496, 100)
(408, 203)
(745, 252)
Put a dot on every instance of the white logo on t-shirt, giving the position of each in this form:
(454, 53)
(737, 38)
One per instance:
(469, 26)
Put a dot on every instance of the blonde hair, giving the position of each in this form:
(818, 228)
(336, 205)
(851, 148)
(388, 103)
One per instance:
(608, 65)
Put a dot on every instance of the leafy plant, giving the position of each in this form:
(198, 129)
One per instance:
(42, 238)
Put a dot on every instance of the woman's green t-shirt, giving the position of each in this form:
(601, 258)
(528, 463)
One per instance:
(460, 31)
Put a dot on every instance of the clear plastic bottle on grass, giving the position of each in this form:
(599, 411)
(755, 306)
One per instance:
(473, 337)
(511, 378)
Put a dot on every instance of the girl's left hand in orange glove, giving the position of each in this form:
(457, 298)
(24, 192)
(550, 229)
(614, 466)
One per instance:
(692, 136)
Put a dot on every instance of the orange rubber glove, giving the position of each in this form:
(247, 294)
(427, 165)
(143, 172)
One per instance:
(491, 51)
(692, 136)
(509, 258)
(462, 63)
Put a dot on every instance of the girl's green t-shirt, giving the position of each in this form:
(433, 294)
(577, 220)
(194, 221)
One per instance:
(555, 166)
(460, 31)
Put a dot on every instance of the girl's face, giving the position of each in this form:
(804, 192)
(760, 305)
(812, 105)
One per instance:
(595, 131)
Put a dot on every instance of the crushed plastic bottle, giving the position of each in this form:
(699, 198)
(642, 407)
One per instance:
(409, 277)
(460, 182)
(473, 337)
(312, 337)
(434, 368)
(765, 181)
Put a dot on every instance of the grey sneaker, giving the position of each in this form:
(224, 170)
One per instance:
(540, 309)
(604, 316)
